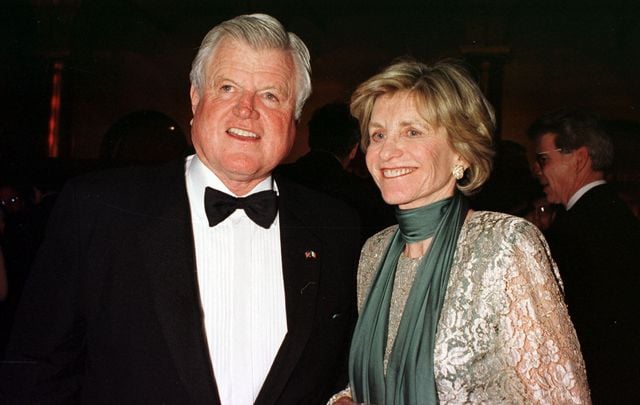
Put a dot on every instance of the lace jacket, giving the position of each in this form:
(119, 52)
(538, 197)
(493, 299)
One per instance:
(504, 334)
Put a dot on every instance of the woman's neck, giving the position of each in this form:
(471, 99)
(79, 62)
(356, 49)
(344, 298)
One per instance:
(416, 250)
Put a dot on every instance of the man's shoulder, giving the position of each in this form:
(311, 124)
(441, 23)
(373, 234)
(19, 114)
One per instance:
(315, 202)
(130, 178)
(315, 169)
(601, 202)
(305, 193)
(599, 219)
(127, 186)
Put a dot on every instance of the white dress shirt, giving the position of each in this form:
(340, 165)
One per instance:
(239, 268)
(582, 191)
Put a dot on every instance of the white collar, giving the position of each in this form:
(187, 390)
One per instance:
(582, 191)
(201, 177)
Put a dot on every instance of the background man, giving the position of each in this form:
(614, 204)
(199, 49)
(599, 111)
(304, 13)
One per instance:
(596, 244)
(334, 138)
(151, 288)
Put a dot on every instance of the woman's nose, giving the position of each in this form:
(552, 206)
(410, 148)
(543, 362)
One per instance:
(390, 148)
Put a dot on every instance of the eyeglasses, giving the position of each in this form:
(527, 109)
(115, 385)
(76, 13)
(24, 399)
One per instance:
(543, 157)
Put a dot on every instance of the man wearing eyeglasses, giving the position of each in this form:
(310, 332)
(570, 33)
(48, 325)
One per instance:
(595, 242)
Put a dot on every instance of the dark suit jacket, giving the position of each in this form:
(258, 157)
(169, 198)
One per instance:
(597, 247)
(321, 171)
(112, 314)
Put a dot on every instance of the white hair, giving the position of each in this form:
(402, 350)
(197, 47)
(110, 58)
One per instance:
(260, 31)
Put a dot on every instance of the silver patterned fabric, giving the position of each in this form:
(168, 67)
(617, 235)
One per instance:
(504, 335)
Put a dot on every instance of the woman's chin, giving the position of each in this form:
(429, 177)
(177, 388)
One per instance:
(394, 199)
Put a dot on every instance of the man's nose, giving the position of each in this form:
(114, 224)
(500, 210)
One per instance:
(245, 107)
(537, 169)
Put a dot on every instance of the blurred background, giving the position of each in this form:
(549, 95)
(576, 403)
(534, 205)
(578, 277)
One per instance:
(78, 77)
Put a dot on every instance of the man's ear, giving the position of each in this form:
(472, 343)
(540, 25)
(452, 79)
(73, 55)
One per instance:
(195, 99)
(583, 160)
(353, 152)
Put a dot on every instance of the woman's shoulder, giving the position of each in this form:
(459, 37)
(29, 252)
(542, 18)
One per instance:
(499, 225)
(481, 224)
(492, 218)
(494, 234)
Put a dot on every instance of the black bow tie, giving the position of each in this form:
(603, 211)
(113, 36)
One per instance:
(261, 207)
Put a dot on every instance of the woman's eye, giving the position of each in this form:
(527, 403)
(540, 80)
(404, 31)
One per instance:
(413, 133)
(376, 136)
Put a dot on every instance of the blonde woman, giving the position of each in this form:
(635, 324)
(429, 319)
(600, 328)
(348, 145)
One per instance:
(456, 306)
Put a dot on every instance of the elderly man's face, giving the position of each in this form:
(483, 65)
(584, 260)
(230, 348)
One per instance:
(243, 118)
(556, 170)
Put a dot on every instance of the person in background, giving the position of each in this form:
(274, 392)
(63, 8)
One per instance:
(333, 139)
(456, 306)
(202, 281)
(512, 186)
(4, 287)
(541, 213)
(19, 243)
(595, 240)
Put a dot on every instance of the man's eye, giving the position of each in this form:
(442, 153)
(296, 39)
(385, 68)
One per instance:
(226, 88)
(542, 159)
(271, 97)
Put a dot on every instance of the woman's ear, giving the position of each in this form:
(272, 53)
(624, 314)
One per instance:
(462, 161)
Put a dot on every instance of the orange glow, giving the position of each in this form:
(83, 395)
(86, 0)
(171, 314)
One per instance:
(53, 138)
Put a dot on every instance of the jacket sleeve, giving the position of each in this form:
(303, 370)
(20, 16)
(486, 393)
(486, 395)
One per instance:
(538, 333)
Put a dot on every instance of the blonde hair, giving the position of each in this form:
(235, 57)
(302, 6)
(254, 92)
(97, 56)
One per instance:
(445, 95)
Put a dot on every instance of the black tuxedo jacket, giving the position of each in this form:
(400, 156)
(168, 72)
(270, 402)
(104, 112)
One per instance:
(321, 171)
(596, 245)
(112, 313)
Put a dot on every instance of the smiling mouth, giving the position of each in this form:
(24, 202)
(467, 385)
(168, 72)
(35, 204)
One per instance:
(241, 133)
(391, 173)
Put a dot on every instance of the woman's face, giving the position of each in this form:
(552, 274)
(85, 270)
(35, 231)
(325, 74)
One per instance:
(410, 160)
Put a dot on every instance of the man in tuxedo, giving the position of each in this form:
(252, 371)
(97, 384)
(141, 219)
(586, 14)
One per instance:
(596, 243)
(206, 281)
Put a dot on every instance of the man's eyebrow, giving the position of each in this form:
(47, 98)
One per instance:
(221, 79)
(281, 88)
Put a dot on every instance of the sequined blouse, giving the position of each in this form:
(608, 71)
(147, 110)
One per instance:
(504, 334)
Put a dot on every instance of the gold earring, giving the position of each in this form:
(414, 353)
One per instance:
(458, 172)
(191, 122)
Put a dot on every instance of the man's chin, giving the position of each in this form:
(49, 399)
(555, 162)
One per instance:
(552, 200)
(548, 194)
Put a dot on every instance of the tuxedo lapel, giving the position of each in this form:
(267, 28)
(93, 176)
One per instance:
(301, 263)
(168, 245)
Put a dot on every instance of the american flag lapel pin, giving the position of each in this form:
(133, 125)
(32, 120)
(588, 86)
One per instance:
(310, 255)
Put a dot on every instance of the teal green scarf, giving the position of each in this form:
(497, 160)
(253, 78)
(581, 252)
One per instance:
(410, 378)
